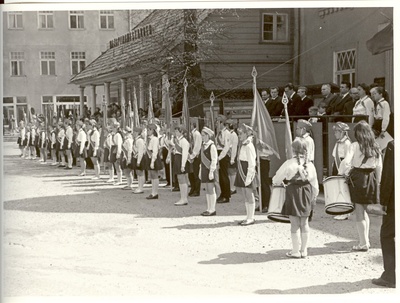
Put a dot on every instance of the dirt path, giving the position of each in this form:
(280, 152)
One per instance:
(66, 235)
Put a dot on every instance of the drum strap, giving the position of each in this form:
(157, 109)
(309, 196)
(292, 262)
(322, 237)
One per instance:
(240, 170)
(205, 160)
(337, 158)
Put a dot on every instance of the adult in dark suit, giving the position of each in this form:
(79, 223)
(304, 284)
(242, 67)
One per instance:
(388, 277)
(294, 99)
(328, 97)
(338, 105)
(301, 109)
(276, 102)
(349, 105)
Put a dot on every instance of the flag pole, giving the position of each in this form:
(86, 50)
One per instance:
(254, 74)
(168, 123)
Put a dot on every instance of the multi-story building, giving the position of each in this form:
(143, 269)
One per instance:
(42, 50)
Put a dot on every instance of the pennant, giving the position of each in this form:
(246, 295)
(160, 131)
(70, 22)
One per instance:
(185, 108)
(288, 133)
(150, 113)
(262, 125)
(136, 120)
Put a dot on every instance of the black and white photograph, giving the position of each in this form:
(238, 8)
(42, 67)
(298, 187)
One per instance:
(182, 150)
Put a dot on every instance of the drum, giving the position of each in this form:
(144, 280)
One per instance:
(337, 196)
(276, 202)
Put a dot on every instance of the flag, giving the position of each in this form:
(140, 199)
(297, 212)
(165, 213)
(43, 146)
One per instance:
(123, 105)
(150, 114)
(185, 109)
(136, 121)
(168, 108)
(262, 125)
(288, 133)
(129, 114)
(382, 41)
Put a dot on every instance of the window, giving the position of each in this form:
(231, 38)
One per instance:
(8, 100)
(47, 63)
(15, 20)
(76, 19)
(275, 27)
(345, 66)
(21, 99)
(17, 63)
(78, 62)
(106, 19)
(45, 19)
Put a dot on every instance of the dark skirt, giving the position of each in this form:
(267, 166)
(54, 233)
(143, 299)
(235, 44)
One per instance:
(204, 175)
(25, 142)
(362, 186)
(36, 141)
(298, 199)
(157, 164)
(113, 154)
(106, 155)
(58, 146)
(238, 180)
(177, 165)
(142, 165)
(77, 152)
(31, 143)
(65, 145)
(125, 164)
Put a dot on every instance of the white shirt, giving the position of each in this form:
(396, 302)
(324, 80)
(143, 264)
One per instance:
(184, 144)
(213, 153)
(196, 143)
(343, 147)
(95, 139)
(382, 112)
(139, 148)
(310, 146)
(69, 134)
(247, 153)
(117, 141)
(153, 147)
(223, 143)
(234, 141)
(81, 139)
(365, 106)
(290, 168)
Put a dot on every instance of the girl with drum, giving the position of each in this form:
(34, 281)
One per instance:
(181, 164)
(209, 160)
(94, 143)
(246, 172)
(127, 157)
(80, 150)
(138, 158)
(154, 163)
(363, 167)
(340, 150)
(301, 190)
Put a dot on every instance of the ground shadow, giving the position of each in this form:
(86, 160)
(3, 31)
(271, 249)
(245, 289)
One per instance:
(329, 288)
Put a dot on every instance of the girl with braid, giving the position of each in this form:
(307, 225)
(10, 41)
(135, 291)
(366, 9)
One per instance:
(301, 189)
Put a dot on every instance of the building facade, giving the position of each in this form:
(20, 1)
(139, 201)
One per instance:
(44, 49)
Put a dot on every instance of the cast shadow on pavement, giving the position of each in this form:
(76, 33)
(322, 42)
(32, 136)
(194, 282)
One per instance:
(329, 288)
(215, 225)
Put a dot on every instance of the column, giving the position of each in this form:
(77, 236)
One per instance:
(81, 100)
(93, 104)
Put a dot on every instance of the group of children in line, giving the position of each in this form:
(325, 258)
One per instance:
(138, 152)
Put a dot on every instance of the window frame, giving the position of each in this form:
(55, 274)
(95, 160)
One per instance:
(78, 60)
(15, 14)
(20, 64)
(274, 24)
(46, 15)
(352, 72)
(48, 61)
(76, 14)
(107, 16)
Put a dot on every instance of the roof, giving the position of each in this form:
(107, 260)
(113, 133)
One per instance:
(152, 39)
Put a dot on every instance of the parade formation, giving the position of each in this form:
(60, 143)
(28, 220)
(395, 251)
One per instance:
(225, 158)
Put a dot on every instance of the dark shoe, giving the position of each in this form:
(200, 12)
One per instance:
(68, 167)
(264, 210)
(207, 213)
(247, 222)
(61, 165)
(168, 184)
(257, 208)
(381, 282)
(223, 200)
(233, 192)
(194, 195)
(176, 189)
(151, 197)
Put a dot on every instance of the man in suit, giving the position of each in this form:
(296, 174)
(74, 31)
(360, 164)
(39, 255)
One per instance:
(294, 99)
(276, 102)
(388, 277)
(306, 102)
(348, 106)
(223, 146)
(328, 97)
(338, 104)
(265, 96)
